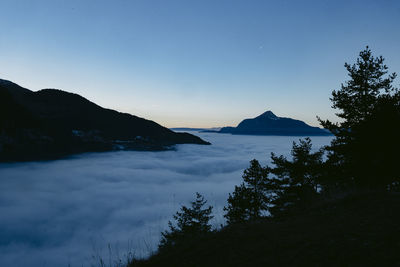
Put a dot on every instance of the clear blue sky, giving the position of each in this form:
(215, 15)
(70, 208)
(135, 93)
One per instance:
(197, 63)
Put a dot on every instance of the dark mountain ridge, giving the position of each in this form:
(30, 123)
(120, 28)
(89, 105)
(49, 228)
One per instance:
(270, 124)
(52, 122)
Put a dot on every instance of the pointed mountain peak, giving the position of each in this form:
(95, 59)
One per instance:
(270, 124)
(269, 115)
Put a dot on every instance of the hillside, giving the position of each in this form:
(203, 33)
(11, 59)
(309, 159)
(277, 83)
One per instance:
(50, 122)
(357, 230)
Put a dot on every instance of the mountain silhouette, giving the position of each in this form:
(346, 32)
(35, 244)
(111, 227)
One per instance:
(270, 124)
(52, 122)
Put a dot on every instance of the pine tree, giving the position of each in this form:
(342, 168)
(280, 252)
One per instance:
(365, 144)
(190, 222)
(297, 181)
(358, 97)
(250, 200)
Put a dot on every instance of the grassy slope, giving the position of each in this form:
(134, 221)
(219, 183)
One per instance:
(358, 230)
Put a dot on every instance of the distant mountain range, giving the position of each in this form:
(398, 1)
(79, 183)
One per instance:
(214, 129)
(270, 124)
(50, 123)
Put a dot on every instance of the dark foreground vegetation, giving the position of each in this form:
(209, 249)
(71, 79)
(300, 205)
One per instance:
(356, 230)
(337, 206)
(52, 123)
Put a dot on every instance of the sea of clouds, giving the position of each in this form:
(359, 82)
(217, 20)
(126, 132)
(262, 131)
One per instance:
(73, 211)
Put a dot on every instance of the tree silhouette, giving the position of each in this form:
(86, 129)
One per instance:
(190, 222)
(297, 181)
(368, 82)
(249, 200)
(365, 143)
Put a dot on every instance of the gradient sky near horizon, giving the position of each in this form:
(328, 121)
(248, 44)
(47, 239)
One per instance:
(196, 63)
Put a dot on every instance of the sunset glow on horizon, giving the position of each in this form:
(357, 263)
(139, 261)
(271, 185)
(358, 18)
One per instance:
(195, 63)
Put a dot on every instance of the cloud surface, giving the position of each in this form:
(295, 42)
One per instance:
(64, 212)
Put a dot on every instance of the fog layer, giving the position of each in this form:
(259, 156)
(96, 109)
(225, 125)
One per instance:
(64, 212)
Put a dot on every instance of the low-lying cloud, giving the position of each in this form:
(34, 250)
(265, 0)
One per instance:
(61, 213)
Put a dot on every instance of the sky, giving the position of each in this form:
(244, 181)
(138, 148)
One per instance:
(190, 63)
